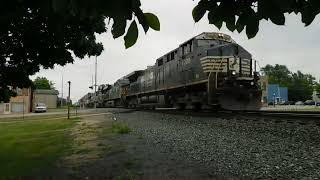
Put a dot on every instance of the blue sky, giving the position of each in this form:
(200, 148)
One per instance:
(293, 45)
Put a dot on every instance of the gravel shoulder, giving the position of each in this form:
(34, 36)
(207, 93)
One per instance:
(100, 154)
(234, 148)
(169, 146)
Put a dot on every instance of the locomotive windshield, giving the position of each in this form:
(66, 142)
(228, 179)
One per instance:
(209, 42)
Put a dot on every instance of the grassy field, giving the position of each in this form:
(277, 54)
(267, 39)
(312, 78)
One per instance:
(62, 109)
(30, 148)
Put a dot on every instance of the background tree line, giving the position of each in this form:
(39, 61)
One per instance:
(300, 86)
(43, 83)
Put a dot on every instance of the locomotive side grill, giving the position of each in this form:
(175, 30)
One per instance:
(217, 63)
(225, 64)
(245, 65)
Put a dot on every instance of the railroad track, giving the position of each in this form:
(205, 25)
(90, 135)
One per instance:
(302, 118)
(297, 114)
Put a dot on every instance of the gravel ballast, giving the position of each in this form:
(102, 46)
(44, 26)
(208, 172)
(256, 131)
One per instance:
(233, 147)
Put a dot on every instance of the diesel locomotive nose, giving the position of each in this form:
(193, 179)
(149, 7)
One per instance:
(232, 79)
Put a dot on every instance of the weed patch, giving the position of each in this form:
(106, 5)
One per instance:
(127, 174)
(120, 128)
(82, 151)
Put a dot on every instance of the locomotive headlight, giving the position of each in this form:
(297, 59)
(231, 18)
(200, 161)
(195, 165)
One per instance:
(252, 83)
(233, 73)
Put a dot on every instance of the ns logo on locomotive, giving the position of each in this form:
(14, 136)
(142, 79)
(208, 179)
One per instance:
(208, 71)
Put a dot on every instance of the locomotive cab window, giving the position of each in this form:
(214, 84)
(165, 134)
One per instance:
(207, 43)
(160, 62)
(171, 56)
(187, 48)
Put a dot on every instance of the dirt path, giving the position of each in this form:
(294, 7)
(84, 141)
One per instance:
(87, 143)
(98, 153)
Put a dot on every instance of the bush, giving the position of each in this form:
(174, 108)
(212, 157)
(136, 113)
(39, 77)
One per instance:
(120, 128)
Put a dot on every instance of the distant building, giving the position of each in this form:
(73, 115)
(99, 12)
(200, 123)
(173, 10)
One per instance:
(26, 100)
(46, 96)
(315, 96)
(18, 104)
(277, 93)
(62, 102)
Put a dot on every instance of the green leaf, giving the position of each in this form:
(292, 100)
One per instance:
(143, 21)
(308, 17)
(310, 11)
(198, 12)
(59, 5)
(230, 22)
(215, 19)
(252, 27)
(285, 5)
(118, 27)
(274, 10)
(278, 19)
(153, 21)
(239, 27)
(241, 23)
(132, 35)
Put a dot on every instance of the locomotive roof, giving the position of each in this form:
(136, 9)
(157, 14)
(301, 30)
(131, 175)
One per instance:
(205, 35)
(213, 36)
(134, 75)
(122, 82)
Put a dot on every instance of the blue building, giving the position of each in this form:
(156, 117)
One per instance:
(277, 93)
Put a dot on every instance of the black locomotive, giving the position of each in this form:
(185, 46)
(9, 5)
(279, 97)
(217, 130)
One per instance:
(208, 71)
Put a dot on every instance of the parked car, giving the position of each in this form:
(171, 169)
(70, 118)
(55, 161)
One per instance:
(299, 103)
(40, 107)
(289, 102)
(317, 103)
(282, 103)
(270, 103)
(309, 102)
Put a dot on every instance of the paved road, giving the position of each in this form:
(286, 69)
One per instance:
(18, 115)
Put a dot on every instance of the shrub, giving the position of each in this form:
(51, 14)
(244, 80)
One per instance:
(120, 128)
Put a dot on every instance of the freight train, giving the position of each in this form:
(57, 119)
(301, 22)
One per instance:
(208, 71)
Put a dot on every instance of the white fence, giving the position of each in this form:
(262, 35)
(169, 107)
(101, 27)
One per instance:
(1, 108)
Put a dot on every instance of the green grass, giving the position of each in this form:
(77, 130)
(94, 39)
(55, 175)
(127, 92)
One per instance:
(120, 128)
(61, 109)
(37, 118)
(31, 148)
(82, 151)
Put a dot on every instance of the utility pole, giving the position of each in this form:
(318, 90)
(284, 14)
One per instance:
(61, 103)
(23, 107)
(92, 82)
(69, 100)
(95, 85)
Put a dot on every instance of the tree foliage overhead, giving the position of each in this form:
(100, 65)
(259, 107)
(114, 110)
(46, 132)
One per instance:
(43, 33)
(240, 14)
(300, 86)
(43, 83)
